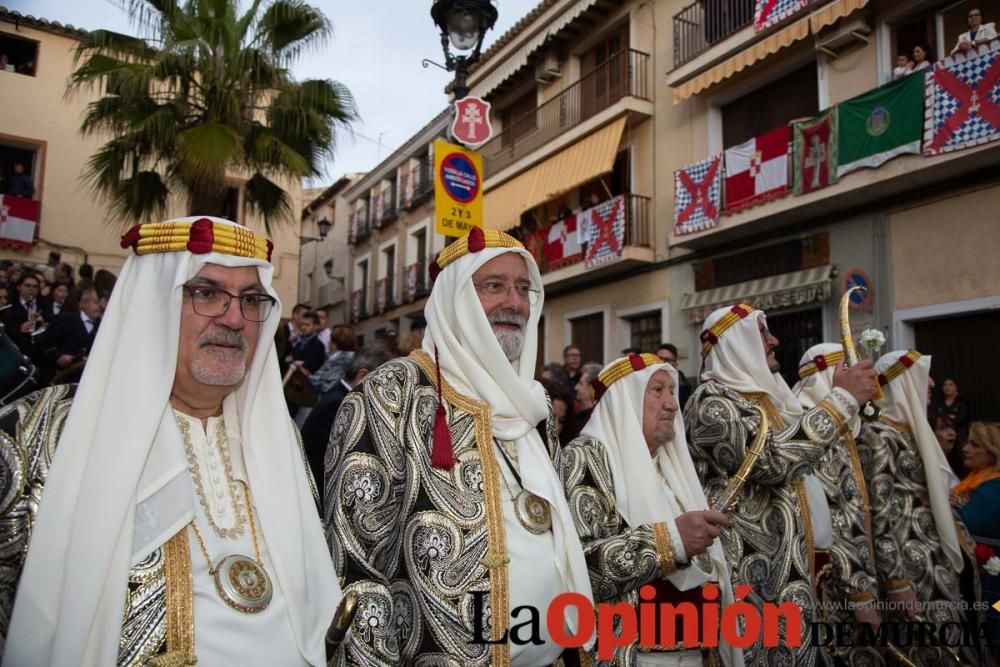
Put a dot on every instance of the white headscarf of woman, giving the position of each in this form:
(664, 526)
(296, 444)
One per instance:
(460, 338)
(816, 369)
(641, 497)
(119, 485)
(733, 354)
(903, 375)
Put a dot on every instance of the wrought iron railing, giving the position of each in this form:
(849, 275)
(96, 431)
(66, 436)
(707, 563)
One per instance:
(624, 74)
(707, 22)
(416, 281)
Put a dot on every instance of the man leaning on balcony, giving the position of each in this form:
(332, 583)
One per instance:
(977, 34)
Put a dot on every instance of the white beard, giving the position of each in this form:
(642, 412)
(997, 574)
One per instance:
(511, 342)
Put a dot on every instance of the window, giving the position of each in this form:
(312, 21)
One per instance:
(520, 118)
(605, 77)
(17, 180)
(646, 334)
(18, 55)
(795, 95)
(389, 257)
(914, 30)
(587, 333)
(420, 241)
(796, 332)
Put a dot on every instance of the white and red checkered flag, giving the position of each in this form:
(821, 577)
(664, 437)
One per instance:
(757, 170)
(962, 106)
(19, 218)
(697, 196)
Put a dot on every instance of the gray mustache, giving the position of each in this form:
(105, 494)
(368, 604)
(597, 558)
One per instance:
(507, 317)
(223, 337)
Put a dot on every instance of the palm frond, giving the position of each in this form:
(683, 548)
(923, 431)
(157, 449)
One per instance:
(266, 198)
(289, 26)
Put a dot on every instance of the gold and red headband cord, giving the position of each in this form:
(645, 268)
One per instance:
(199, 237)
(820, 363)
(476, 240)
(898, 368)
(620, 369)
(710, 336)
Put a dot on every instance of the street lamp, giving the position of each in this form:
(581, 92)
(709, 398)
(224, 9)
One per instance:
(323, 226)
(463, 23)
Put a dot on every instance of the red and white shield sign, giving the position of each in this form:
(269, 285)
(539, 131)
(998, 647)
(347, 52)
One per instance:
(471, 124)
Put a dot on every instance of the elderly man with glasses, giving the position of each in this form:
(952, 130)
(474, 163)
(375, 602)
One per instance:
(444, 511)
(162, 513)
(978, 33)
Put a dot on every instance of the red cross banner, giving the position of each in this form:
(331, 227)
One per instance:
(814, 152)
(18, 221)
(697, 196)
(772, 12)
(962, 106)
(757, 170)
(606, 232)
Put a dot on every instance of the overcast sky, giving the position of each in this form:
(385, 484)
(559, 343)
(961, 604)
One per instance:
(375, 51)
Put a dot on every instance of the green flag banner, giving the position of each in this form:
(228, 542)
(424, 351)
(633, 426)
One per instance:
(881, 124)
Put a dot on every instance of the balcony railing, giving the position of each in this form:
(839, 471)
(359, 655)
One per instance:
(416, 281)
(359, 304)
(622, 75)
(707, 22)
(635, 233)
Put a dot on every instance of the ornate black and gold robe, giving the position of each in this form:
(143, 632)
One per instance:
(415, 542)
(769, 540)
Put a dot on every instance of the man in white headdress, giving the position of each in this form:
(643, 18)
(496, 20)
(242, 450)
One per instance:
(779, 528)
(629, 479)
(177, 520)
(443, 509)
(923, 565)
(850, 592)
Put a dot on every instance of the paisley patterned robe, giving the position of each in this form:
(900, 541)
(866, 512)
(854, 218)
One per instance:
(415, 542)
(29, 432)
(907, 546)
(769, 540)
(620, 559)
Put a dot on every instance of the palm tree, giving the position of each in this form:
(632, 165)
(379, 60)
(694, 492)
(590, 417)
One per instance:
(202, 93)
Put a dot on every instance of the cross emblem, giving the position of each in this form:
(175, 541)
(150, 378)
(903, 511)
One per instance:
(472, 119)
(969, 102)
(815, 159)
(700, 198)
(606, 230)
(974, 103)
(755, 162)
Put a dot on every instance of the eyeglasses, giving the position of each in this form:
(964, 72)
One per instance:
(495, 288)
(214, 302)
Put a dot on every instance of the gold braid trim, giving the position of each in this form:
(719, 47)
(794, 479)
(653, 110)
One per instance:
(623, 368)
(493, 238)
(898, 368)
(761, 398)
(664, 549)
(496, 537)
(180, 604)
(831, 359)
(719, 328)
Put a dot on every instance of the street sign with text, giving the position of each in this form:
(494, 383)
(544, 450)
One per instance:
(458, 189)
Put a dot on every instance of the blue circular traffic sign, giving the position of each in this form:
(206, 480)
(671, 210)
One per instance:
(857, 278)
(459, 177)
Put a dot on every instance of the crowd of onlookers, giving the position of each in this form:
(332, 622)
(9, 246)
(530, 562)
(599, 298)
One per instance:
(50, 315)
(921, 56)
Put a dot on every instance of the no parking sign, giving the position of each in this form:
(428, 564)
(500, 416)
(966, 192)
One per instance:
(458, 189)
(861, 299)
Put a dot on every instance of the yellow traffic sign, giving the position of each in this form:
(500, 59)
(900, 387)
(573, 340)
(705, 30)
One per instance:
(458, 189)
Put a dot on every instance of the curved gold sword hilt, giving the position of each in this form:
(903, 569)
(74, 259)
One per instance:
(870, 410)
(736, 482)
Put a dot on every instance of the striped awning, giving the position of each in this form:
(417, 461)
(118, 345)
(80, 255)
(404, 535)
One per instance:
(568, 169)
(784, 290)
(773, 43)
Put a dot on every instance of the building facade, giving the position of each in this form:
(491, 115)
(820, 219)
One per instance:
(39, 127)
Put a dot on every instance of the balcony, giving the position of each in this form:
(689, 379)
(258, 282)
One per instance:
(624, 74)
(614, 253)
(703, 24)
(416, 282)
(359, 305)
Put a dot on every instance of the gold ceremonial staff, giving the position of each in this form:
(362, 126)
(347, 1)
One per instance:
(869, 411)
(342, 620)
(728, 496)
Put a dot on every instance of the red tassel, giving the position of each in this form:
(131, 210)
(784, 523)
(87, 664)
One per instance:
(201, 237)
(442, 455)
(442, 452)
(130, 239)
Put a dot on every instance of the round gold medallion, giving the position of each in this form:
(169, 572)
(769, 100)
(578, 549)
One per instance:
(533, 513)
(243, 584)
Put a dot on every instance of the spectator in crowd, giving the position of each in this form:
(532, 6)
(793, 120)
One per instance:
(71, 334)
(977, 34)
(64, 275)
(415, 339)
(572, 361)
(20, 183)
(631, 350)
(307, 350)
(4, 296)
(585, 396)
(86, 273)
(977, 497)
(947, 437)
(343, 340)
(57, 298)
(389, 340)
(556, 372)
(4, 266)
(667, 352)
(25, 314)
(298, 310)
(104, 283)
(5, 63)
(319, 423)
(904, 66)
(921, 57)
(562, 410)
(323, 333)
(952, 405)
